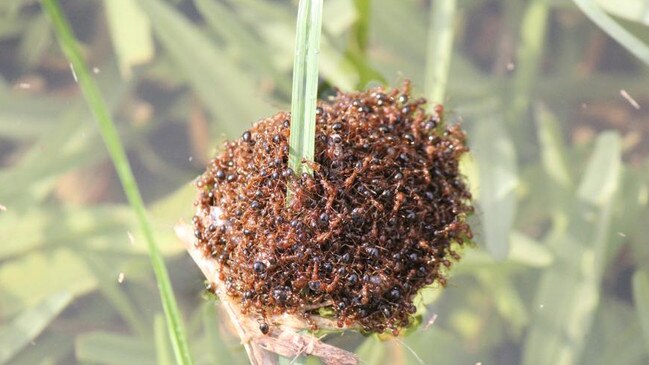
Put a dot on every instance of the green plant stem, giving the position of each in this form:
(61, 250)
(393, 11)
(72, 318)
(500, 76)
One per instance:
(305, 86)
(440, 48)
(118, 155)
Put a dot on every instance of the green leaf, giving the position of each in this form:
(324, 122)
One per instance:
(305, 86)
(634, 10)
(225, 89)
(568, 292)
(105, 227)
(35, 41)
(529, 52)
(242, 41)
(49, 226)
(130, 33)
(110, 348)
(498, 179)
(36, 276)
(50, 348)
(602, 175)
(24, 117)
(641, 300)
(29, 324)
(553, 154)
(338, 16)
(526, 251)
(358, 41)
(614, 29)
(71, 143)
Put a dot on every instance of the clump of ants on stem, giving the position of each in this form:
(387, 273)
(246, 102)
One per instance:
(382, 215)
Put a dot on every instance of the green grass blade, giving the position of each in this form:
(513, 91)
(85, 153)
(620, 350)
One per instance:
(569, 292)
(641, 299)
(553, 152)
(225, 22)
(601, 179)
(633, 10)
(440, 48)
(533, 29)
(51, 348)
(614, 30)
(228, 92)
(498, 179)
(360, 30)
(118, 155)
(29, 324)
(357, 45)
(130, 32)
(33, 277)
(305, 85)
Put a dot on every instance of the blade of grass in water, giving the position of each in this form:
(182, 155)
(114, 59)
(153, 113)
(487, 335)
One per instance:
(614, 29)
(305, 86)
(440, 48)
(530, 49)
(118, 155)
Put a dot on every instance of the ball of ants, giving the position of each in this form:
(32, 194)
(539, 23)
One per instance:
(382, 214)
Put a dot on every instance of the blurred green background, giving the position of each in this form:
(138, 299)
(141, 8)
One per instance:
(557, 114)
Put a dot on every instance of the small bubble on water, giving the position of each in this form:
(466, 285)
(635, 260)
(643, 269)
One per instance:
(74, 73)
(630, 99)
(430, 322)
(131, 238)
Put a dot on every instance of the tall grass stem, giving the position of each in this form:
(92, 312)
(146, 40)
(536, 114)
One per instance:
(117, 153)
(305, 86)
(440, 48)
